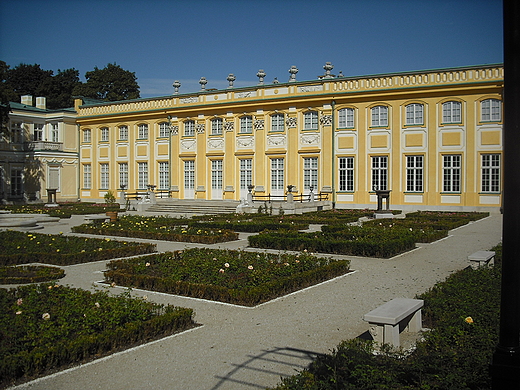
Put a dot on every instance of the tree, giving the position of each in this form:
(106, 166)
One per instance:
(58, 89)
(28, 79)
(6, 95)
(109, 84)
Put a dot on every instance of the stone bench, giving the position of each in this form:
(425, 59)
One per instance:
(481, 257)
(390, 319)
(96, 218)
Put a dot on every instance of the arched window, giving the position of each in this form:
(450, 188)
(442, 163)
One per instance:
(346, 118)
(415, 114)
(491, 110)
(189, 128)
(452, 112)
(277, 122)
(380, 116)
(216, 126)
(246, 124)
(310, 120)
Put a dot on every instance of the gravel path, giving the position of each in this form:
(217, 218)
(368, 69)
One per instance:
(251, 348)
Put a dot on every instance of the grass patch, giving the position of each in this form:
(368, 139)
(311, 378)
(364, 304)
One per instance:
(243, 278)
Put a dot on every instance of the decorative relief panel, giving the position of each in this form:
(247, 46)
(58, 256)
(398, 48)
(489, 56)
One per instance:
(216, 143)
(193, 99)
(240, 95)
(174, 129)
(200, 127)
(310, 139)
(259, 124)
(310, 88)
(326, 120)
(229, 126)
(188, 145)
(245, 142)
(291, 122)
(274, 141)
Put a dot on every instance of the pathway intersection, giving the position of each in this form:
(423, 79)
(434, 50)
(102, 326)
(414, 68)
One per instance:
(252, 348)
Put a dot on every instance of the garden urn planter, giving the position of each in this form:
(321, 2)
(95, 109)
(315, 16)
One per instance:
(112, 215)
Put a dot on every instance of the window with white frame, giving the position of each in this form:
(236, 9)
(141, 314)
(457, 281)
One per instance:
(87, 176)
(310, 173)
(189, 174)
(104, 177)
(142, 131)
(216, 126)
(246, 173)
(142, 175)
(123, 133)
(123, 175)
(491, 172)
(246, 124)
(451, 171)
(310, 120)
(346, 118)
(55, 135)
(164, 175)
(16, 132)
(452, 112)
(379, 116)
(277, 174)
(277, 122)
(38, 132)
(415, 114)
(414, 173)
(216, 174)
(104, 134)
(491, 110)
(87, 135)
(189, 128)
(164, 129)
(346, 174)
(379, 173)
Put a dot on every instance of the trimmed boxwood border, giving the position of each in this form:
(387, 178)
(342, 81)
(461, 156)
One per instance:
(29, 274)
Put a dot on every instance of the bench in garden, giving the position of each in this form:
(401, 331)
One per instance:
(390, 319)
(96, 218)
(482, 257)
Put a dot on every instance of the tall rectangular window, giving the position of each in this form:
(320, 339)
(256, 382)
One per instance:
(164, 129)
(246, 124)
(104, 178)
(216, 174)
(277, 174)
(246, 173)
(380, 116)
(346, 174)
(16, 182)
(87, 176)
(491, 173)
(104, 134)
(451, 112)
(189, 128)
(310, 173)
(189, 174)
(414, 114)
(54, 132)
(142, 175)
(164, 175)
(54, 178)
(451, 172)
(379, 173)
(491, 110)
(216, 126)
(277, 122)
(346, 118)
(123, 133)
(414, 173)
(310, 120)
(123, 175)
(87, 135)
(16, 132)
(38, 132)
(142, 131)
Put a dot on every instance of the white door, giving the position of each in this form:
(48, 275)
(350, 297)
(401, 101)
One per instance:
(277, 177)
(216, 179)
(189, 179)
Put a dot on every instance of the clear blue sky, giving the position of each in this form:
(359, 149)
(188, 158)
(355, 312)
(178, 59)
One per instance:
(162, 41)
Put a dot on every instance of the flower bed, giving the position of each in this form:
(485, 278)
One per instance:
(157, 228)
(464, 314)
(65, 210)
(48, 326)
(23, 248)
(249, 225)
(244, 278)
(29, 274)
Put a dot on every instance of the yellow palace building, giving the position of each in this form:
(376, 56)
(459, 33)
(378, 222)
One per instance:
(433, 137)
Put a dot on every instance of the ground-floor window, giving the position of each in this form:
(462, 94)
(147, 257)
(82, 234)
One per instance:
(490, 173)
(216, 174)
(189, 174)
(246, 173)
(277, 176)
(346, 173)
(104, 178)
(310, 173)
(123, 175)
(142, 175)
(16, 182)
(164, 175)
(451, 172)
(54, 178)
(87, 176)
(379, 173)
(414, 173)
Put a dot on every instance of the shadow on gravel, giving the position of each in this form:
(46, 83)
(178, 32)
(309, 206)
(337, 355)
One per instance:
(265, 363)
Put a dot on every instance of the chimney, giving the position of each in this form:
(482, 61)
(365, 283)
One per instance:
(27, 100)
(41, 102)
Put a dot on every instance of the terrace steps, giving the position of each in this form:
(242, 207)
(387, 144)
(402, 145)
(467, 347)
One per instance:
(193, 206)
